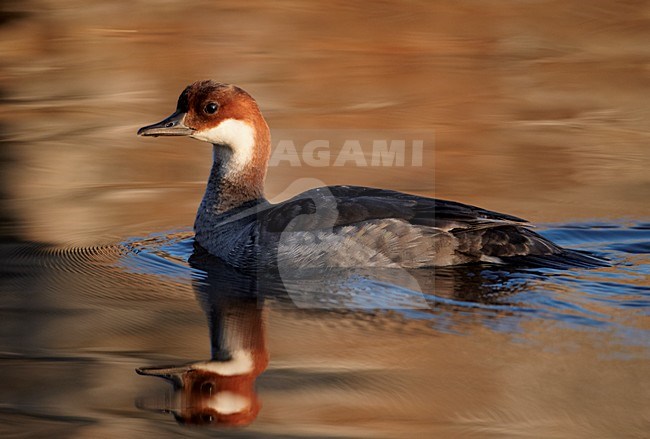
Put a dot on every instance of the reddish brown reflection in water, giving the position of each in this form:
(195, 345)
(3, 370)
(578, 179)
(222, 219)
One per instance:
(222, 389)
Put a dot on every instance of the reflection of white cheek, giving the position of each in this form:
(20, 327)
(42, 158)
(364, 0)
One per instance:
(241, 363)
(227, 403)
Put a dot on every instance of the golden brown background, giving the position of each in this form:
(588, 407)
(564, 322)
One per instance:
(538, 108)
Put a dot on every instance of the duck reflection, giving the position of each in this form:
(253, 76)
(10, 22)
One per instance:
(221, 390)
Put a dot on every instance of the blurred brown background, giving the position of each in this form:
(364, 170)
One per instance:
(538, 108)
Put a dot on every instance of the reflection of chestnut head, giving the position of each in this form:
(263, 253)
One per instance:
(221, 390)
(214, 392)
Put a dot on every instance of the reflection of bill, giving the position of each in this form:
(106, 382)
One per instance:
(222, 389)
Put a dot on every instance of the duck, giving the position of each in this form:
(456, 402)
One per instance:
(329, 226)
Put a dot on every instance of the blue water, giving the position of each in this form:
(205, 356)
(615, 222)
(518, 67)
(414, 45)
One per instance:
(612, 300)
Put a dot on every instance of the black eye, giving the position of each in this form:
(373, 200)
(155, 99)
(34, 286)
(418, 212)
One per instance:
(207, 418)
(206, 389)
(211, 108)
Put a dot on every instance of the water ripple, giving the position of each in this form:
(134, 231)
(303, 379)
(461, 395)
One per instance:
(494, 296)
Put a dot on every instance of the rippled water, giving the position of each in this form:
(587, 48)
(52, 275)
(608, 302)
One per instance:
(537, 109)
(462, 350)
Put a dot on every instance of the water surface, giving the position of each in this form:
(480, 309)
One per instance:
(537, 109)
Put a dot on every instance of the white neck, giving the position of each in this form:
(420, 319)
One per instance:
(234, 144)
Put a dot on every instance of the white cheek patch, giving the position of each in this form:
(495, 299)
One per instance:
(227, 403)
(241, 363)
(237, 134)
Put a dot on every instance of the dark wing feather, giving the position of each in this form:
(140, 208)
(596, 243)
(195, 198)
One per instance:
(478, 234)
(503, 241)
(334, 206)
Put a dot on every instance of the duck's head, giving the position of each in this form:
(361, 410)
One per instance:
(223, 115)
